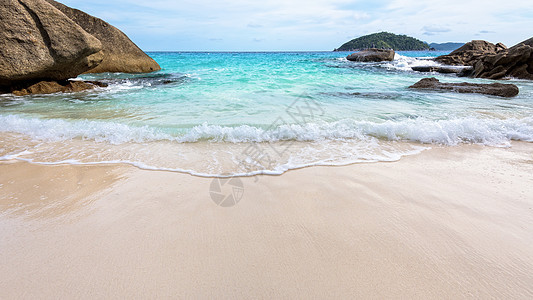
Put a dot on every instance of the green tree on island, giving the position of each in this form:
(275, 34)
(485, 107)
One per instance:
(384, 40)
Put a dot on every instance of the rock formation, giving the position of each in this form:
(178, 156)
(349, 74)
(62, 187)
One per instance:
(516, 62)
(120, 53)
(43, 40)
(372, 55)
(493, 61)
(38, 42)
(50, 87)
(495, 89)
(469, 53)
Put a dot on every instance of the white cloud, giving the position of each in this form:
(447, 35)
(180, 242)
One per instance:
(307, 24)
(434, 30)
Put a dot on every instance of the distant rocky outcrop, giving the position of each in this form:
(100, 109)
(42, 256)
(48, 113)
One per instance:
(445, 46)
(495, 89)
(384, 40)
(372, 55)
(38, 42)
(493, 61)
(120, 53)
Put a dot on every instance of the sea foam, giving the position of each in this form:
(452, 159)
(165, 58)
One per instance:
(404, 63)
(487, 131)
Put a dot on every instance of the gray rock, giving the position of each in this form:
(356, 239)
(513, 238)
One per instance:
(120, 53)
(516, 61)
(495, 89)
(372, 55)
(443, 69)
(493, 61)
(38, 42)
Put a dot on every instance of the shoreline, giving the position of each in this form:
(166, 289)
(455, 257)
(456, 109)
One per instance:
(252, 174)
(448, 222)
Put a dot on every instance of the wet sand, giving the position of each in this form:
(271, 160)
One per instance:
(447, 223)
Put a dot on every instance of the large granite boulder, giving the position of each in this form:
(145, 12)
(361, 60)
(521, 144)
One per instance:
(493, 61)
(516, 62)
(528, 42)
(120, 53)
(38, 42)
(372, 55)
(495, 89)
(469, 53)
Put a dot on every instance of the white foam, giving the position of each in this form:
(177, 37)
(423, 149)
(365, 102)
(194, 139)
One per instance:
(318, 144)
(447, 132)
(277, 170)
(487, 131)
(58, 130)
(15, 155)
(405, 63)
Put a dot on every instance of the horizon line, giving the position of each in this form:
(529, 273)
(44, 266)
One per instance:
(264, 51)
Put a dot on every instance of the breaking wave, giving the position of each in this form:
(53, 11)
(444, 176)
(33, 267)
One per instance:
(487, 131)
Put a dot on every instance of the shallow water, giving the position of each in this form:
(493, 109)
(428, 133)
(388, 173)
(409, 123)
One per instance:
(248, 113)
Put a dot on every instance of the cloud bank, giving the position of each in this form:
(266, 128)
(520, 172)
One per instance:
(204, 25)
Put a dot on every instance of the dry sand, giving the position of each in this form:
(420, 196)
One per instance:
(448, 223)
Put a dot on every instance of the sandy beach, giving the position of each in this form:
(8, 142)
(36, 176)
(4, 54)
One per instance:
(266, 150)
(448, 223)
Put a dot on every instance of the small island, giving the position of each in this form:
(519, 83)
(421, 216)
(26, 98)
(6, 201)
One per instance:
(384, 40)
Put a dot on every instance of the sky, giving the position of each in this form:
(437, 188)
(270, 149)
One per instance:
(307, 25)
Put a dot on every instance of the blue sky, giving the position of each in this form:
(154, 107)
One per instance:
(269, 25)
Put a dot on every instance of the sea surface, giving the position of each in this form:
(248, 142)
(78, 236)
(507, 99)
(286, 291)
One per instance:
(222, 114)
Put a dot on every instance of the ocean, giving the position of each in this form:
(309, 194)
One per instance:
(224, 114)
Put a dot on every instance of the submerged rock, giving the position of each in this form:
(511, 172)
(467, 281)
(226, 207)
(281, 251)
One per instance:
(372, 55)
(120, 53)
(38, 42)
(443, 69)
(495, 89)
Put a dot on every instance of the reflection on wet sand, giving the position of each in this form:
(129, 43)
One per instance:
(36, 192)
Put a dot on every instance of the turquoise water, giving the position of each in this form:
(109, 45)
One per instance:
(217, 113)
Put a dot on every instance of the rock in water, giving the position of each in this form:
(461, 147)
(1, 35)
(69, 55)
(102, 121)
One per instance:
(493, 61)
(470, 52)
(442, 69)
(38, 42)
(516, 62)
(372, 55)
(120, 53)
(50, 87)
(495, 89)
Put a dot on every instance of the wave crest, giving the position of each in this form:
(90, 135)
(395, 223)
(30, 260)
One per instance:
(446, 132)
